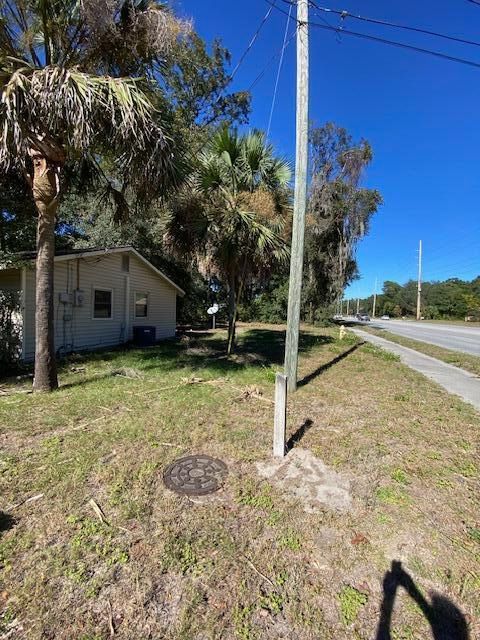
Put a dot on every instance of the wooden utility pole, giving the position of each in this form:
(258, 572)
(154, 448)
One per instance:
(280, 421)
(300, 199)
(419, 284)
(374, 299)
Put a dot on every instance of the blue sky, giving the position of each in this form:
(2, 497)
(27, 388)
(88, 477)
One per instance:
(420, 114)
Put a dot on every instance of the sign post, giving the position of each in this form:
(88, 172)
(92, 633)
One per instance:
(212, 311)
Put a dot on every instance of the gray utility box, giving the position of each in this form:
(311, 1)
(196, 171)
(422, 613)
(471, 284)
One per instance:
(144, 336)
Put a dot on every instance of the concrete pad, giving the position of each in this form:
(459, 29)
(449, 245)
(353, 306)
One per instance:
(306, 478)
(455, 380)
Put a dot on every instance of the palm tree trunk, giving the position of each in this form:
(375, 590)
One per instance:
(234, 297)
(232, 314)
(45, 193)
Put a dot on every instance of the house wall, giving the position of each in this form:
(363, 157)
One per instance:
(162, 300)
(75, 327)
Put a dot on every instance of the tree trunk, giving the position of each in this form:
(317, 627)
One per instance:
(45, 187)
(232, 313)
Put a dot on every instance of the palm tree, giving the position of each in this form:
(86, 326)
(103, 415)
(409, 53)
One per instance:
(68, 99)
(234, 214)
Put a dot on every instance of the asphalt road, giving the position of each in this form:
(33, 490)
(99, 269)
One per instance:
(450, 336)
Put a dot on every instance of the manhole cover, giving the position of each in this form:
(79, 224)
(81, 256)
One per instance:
(195, 475)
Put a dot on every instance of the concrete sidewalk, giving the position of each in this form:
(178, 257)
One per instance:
(454, 380)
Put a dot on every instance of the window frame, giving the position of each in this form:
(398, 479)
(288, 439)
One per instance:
(94, 317)
(147, 295)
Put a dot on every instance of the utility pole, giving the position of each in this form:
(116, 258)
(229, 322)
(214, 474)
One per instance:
(374, 299)
(300, 199)
(358, 305)
(419, 285)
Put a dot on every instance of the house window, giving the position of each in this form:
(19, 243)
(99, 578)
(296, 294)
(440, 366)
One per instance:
(102, 303)
(141, 305)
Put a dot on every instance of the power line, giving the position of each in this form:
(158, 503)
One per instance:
(346, 14)
(252, 42)
(400, 45)
(394, 43)
(277, 79)
(272, 59)
(237, 67)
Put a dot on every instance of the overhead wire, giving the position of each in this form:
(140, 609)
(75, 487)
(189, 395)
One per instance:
(279, 70)
(252, 42)
(393, 43)
(400, 45)
(386, 23)
(463, 266)
(228, 81)
(271, 60)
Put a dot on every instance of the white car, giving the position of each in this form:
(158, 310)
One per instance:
(385, 318)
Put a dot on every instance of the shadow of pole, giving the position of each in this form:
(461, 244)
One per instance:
(6, 521)
(298, 435)
(327, 365)
(446, 620)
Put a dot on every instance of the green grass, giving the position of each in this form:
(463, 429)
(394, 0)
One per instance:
(463, 360)
(351, 602)
(247, 562)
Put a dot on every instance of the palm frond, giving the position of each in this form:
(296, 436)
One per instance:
(77, 110)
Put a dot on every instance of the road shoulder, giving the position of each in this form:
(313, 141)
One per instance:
(460, 359)
(457, 381)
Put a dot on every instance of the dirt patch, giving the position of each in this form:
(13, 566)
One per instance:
(305, 477)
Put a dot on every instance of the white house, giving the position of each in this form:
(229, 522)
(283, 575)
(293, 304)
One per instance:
(101, 296)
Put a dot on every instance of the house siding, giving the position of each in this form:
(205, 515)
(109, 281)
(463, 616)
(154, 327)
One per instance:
(161, 300)
(75, 327)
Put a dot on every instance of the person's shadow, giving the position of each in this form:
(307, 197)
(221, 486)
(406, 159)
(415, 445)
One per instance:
(446, 620)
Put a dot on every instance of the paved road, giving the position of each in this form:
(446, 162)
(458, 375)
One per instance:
(454, 380)
(450, 336)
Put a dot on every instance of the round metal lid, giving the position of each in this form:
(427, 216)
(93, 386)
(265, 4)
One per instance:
(195, 475)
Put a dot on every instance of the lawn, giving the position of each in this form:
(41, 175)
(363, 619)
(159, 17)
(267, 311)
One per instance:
(248, 562)
(457, 358)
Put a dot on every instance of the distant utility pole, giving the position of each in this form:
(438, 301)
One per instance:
(374, 299)
(419, 285)
(300, 199)
(358, 305)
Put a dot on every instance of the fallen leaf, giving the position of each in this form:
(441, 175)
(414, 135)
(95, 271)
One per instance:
(359, 538)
